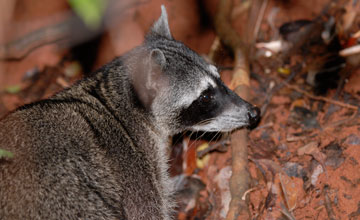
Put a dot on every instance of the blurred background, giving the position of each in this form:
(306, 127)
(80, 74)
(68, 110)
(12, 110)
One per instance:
(302, 58)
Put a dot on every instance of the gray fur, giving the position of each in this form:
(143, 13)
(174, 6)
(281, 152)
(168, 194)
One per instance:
(98, 150)
(161, 26)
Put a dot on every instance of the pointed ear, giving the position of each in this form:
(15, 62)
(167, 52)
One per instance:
(161, 26)
(157, 57)
(156, 64)
(150, 78)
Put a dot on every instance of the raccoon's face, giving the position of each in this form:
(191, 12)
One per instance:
(188, 93)
(199, 101)
(216, 107)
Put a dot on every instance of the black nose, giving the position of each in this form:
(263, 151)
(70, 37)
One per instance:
(254, 116)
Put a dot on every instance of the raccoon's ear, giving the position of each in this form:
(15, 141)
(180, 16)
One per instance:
(150, 77)
(155, 76)
(158, 58)
(161, 26)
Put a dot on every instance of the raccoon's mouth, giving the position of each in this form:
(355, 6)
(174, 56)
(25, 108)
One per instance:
(220, 125)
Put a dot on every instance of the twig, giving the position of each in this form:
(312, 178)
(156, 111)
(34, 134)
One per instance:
(267, 125)
(214, 48)
(277, 88)
(249, 191)
(260, 18)
(15, 58)
(223, 27)
(352, 118)
(21, 47)
(320, 98)
(69, 31)
(240, 179)
(286, 212)
(328, 207)
(220, 146)
(331, 101)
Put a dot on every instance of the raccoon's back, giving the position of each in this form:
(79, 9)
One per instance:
(51, 175)
(72, 162)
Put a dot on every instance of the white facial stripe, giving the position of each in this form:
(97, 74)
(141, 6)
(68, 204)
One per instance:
(206, 81)
(204, 84)
(213, 71)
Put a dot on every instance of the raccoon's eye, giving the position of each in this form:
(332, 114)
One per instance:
(206, 97)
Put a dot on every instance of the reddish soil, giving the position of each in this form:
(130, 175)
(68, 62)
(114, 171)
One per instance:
(304, 156)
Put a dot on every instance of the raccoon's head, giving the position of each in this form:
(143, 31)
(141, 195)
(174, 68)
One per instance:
(184, 92)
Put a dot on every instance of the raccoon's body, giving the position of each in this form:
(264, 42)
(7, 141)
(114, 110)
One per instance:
(98, 150)
(86, 160)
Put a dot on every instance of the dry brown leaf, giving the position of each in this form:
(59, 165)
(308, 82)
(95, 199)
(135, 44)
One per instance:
(313, 150)
(290, 191)
(308, 148)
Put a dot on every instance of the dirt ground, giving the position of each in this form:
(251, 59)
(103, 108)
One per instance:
(304, 155)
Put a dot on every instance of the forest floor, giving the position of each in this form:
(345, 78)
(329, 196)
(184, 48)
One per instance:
(304, 155)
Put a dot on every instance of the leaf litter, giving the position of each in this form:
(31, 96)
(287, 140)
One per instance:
(304, 156)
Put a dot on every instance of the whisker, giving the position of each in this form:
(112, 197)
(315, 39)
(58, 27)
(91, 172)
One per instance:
(204, 121)
(203, 134)
(198, 138)
(192, 144)
(217, 133)
(178, 139)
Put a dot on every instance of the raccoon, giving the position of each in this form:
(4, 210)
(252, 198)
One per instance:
(98, 150)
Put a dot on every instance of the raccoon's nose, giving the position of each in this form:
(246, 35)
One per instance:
(254, 116)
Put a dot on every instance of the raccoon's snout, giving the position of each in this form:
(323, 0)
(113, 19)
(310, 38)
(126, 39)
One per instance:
(253, 116)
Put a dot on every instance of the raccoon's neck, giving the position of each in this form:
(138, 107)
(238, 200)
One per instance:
(110, 87)
(115, 92)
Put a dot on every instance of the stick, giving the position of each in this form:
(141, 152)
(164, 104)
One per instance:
(328, 206)
(320, 98)
(275, 89)
(69, 31)
(240, 179)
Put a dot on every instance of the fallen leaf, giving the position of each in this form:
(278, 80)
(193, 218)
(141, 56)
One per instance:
(298, 103)
(284, 71)
(13, 89)
(314, 176)
(73, 69)
(201, 162)
(293, 169)
(6, 154)
(91, 12)
(333, 155)
(290, 191)
(313, 150)
(353, 139)
(222, 180)
(308, 148)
